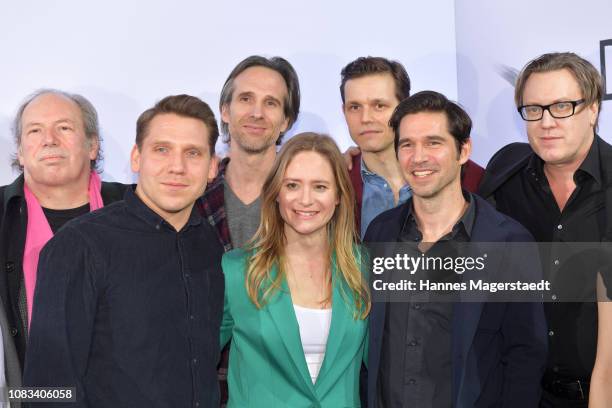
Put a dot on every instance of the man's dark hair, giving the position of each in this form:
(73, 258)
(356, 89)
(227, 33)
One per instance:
(459, 123)
(364, 66)
(291, 104)
(182, 105)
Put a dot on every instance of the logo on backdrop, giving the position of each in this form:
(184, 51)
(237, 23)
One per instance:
(605, 54)
(508, 73)
(606, 66)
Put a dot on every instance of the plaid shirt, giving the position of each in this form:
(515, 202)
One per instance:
(212, 206)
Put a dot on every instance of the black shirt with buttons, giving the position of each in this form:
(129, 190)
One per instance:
(527, 197)
(128, 310)
(415, 368)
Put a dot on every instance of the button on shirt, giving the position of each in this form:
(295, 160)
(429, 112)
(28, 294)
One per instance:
(527, 197)
(377, 197)
(415, 369)
(128, 310)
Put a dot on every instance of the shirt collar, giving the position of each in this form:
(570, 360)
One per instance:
(590, 165)
(466, 222)
(150, 217)
(13, 190)
(218, 180)
(469, 216)
(365, 172)
(222, 166)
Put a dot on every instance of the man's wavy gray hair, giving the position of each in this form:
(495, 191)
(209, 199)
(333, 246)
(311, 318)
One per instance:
(88, 114)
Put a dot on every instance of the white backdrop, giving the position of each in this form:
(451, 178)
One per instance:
(496, 36)
(124, 56)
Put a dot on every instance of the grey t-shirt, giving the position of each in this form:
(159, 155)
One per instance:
(243, 219)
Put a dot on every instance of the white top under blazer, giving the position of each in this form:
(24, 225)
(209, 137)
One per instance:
(314, 329)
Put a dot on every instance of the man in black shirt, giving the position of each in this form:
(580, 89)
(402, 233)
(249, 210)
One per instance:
(434, 354)
(129, 298)
(556, 187)
(58, 148)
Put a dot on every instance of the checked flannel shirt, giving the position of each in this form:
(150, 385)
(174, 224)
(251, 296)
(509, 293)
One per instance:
(212, 206)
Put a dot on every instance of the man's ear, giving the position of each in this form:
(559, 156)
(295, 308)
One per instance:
(465, 151)
(225, 113)
(213, 167)
(285, 126)
(94, 148)
(20, 155)
(593, 112)
(135, 159)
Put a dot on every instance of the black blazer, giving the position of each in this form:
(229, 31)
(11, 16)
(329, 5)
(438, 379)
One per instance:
(513, 158)
(498, 349)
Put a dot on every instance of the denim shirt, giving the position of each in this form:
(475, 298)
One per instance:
(377, 196)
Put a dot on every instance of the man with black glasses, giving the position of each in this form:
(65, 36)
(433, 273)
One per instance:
(556, 187)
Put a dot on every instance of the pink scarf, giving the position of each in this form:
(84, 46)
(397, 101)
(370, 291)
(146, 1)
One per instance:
(38, 232)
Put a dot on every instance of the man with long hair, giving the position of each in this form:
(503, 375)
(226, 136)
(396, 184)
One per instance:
(259, 103)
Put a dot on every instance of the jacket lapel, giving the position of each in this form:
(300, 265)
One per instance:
(280, 308)
(466, 314)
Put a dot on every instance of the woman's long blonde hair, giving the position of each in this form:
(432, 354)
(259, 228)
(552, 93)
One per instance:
(268, 244)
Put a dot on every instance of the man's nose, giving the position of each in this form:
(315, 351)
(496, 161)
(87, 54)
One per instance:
(177, 163)
(547, 119)
(49, 137)
(366, 115)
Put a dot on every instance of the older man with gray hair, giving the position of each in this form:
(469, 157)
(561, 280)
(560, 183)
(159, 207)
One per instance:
(57, 141)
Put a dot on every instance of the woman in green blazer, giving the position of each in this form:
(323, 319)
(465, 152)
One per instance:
(296, 305)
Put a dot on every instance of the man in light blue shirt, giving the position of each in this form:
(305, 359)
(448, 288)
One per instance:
(378, 196)
(371, 88)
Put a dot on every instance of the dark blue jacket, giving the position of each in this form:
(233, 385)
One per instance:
(498, 349)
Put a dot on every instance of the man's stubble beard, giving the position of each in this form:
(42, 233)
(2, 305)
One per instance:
(252, 148)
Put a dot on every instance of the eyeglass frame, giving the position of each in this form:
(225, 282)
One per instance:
(547, 108)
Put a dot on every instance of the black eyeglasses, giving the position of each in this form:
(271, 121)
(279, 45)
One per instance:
(557, 110)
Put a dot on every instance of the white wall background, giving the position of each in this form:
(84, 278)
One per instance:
(494, 35)
(124, 56)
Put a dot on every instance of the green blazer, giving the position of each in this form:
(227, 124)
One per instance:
(267, 367)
